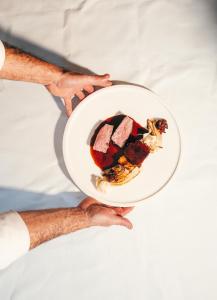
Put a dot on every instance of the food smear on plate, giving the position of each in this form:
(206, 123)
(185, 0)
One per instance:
(119, 146)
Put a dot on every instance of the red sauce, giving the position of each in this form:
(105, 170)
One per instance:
(110, 158)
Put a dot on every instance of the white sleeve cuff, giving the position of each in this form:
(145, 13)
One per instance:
(2, 54)
(14, 238)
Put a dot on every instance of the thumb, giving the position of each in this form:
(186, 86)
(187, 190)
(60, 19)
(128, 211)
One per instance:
(123, 222)
(100, 80)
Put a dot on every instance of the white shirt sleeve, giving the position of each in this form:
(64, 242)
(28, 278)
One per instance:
(2, 54)
(14, 238)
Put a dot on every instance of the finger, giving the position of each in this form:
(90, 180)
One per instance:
(68, 105)
(80, 95)
(89, 88)
(123, 210)
(126, 210)
(100, 80)
(123, 222)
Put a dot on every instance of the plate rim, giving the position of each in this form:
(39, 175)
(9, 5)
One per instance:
(77, 110)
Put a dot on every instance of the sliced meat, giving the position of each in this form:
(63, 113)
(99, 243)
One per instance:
(103, 138)
(123, 131)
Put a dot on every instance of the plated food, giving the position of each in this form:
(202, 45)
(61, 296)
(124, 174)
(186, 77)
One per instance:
(132, 179)
(119, 146)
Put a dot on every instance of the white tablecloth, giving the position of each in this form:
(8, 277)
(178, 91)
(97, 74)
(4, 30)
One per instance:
(168, 46)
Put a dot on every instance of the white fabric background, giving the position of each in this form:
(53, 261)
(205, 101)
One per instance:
(168, 46)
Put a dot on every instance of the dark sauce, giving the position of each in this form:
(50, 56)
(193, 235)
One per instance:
(110, 158)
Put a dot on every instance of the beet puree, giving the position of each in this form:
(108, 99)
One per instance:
(110, 158)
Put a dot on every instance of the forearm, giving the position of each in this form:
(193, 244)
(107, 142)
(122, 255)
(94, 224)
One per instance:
(21, 66)
(44, 225)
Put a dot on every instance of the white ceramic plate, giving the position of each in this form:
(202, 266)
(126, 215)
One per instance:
(140, 104)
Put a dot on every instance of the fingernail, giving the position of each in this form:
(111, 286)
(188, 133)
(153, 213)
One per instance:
(130, 226)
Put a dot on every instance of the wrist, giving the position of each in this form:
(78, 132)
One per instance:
(55, 75)
(78, 219)
(85, 218)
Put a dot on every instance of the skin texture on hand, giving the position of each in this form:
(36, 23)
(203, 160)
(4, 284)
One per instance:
(47, 224)
(104, 215)
(44, 225)
(74, 84)
(22, 66)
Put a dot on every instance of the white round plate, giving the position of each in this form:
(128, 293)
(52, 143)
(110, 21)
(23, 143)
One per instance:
(140, 104)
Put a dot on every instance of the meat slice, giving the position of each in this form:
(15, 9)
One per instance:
(103, 138)
(123, 131)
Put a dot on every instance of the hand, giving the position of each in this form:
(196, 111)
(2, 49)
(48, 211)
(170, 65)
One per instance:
(70, 84)
(104, 215)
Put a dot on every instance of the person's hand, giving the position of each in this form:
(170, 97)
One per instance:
(73, 84)
(104, 215)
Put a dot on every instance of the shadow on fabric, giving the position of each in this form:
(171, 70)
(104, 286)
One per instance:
(54, 58)
(22, 200)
